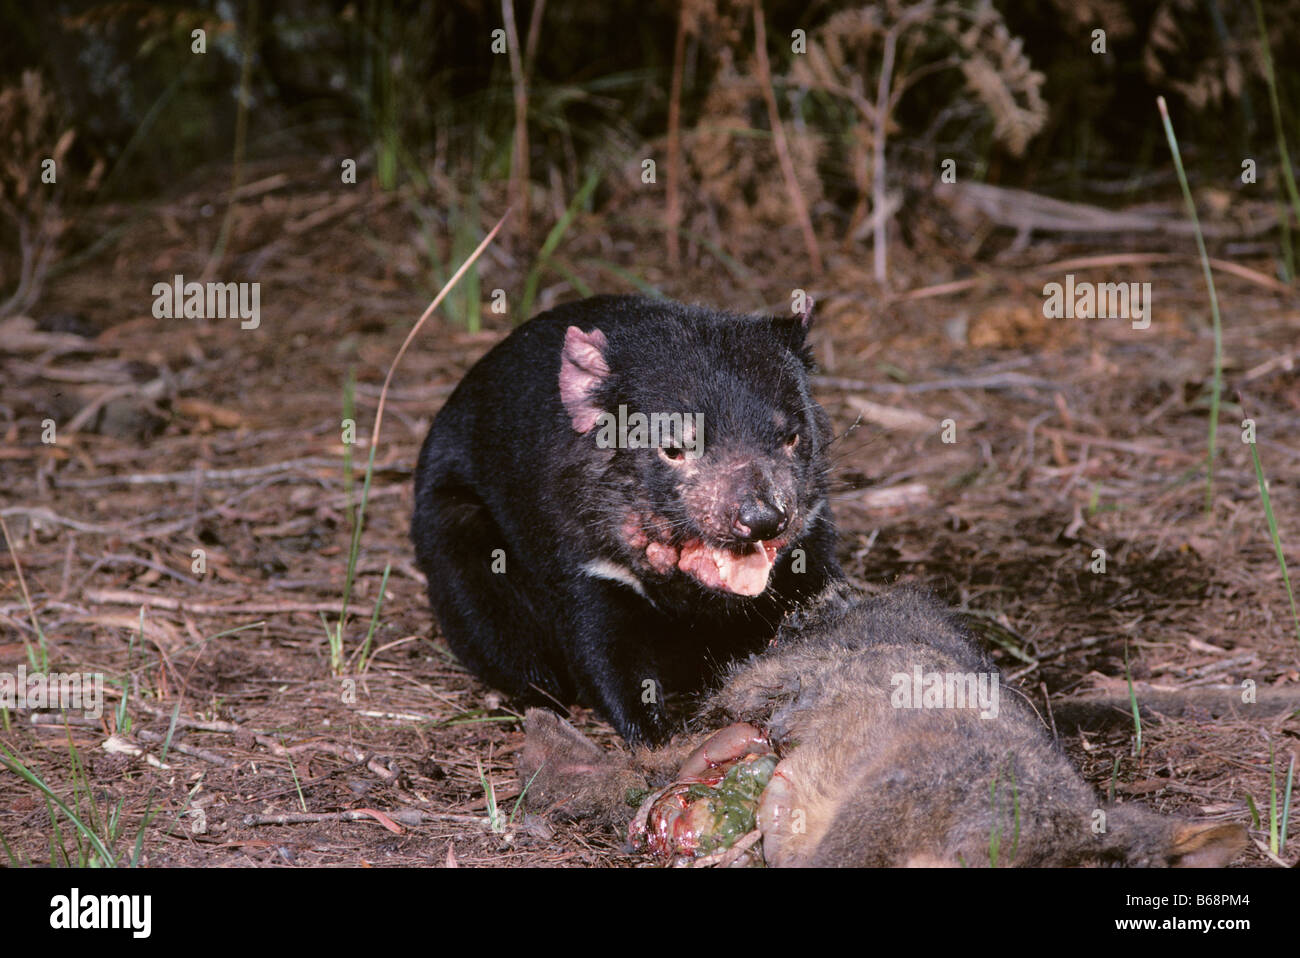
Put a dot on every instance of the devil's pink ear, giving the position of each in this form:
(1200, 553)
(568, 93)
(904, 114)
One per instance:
(805, 316)
(582, 370)
(794, 328)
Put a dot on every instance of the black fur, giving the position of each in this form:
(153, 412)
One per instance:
(505, 467)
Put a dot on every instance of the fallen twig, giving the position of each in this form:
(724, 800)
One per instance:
(407, 816)
(127, 597)
(209, 476)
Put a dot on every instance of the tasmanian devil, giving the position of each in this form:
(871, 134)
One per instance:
(622, 496)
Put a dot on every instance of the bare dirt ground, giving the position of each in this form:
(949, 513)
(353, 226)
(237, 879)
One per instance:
(177, 435)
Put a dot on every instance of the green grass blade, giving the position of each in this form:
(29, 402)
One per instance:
(1272, 801)
(237, 629)
(1273, 533)
(124, 720)
(171, 730)
(642, 286)
(995, 833)
(1015, 799)
(1217, 388)
(580, 285)
(349, 412)
(56, 838)
(9, 852)
(138, 849)
(494, 814)
(374, 619)
(520, 800)
(297, 785)
(355, 549)
(1254, 812)
(1286, 805)
(1133, 705)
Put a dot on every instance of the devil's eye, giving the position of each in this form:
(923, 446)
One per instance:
(672, 454)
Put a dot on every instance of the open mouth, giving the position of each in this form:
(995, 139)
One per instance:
(739, 568)
(742, 569)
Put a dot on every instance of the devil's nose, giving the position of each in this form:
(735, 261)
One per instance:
(758, 520)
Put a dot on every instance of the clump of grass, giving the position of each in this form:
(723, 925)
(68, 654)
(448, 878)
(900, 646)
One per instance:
(380, 102)
(334, 634)
(123, 719)
(496, 822)
(441, 212)
(38, 656)
(336, 631)
(1216, 388)
(552, 241)
(96, 833)
(1288, 176)
(465, 305)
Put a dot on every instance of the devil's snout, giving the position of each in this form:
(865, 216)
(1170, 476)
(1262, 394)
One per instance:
(758, 520)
